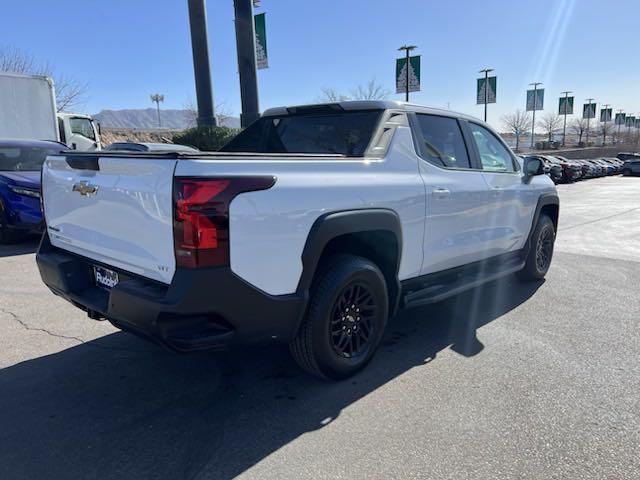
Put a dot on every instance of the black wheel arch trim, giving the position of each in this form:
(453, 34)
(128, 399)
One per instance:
(546, 199)
(335, 224)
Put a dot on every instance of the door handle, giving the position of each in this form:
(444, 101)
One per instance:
(441, 192)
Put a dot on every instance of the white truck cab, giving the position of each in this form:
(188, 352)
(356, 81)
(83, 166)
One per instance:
(79, 132)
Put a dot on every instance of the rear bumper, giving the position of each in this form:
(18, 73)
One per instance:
(201, 309)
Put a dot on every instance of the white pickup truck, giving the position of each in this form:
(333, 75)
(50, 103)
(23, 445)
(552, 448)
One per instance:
(311, 227)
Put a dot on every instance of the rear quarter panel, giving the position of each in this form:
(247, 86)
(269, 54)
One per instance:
(269, 228)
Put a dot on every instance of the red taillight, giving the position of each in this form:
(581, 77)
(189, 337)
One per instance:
(201, 217)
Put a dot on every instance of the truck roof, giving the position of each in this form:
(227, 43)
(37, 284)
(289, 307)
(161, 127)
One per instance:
(366, 105)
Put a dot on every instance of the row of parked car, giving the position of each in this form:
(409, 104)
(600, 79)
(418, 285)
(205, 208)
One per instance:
(565, 170)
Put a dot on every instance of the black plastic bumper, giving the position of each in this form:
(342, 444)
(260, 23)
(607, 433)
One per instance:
(201, 309)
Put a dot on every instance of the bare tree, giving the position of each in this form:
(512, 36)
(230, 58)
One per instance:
(579, 128)
(517, 123)
(550, 124)
(331, 95)
(69, 92)
(223, 113)
(371, 91)
(606, 129)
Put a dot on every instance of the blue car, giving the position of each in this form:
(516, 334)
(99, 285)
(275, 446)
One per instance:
(20, 165)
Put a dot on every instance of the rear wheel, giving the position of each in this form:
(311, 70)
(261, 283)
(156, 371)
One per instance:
(626, 172)
(541, 250)
(345, 320)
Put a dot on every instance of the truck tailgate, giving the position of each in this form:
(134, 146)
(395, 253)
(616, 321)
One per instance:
(115, 210)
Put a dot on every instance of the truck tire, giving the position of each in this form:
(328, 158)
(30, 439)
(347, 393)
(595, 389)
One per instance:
(626, 172)
(345, 320)
(541, 250)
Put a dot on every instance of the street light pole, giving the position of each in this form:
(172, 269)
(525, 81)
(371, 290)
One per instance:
(201, 65)
(564, 128)
(590, 100)
(486, 89)
(247, 68)
(604, 130)
(157, 98)
(407, 49)
(535, 106)
(619, 125)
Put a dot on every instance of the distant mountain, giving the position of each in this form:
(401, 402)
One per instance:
(147, 119)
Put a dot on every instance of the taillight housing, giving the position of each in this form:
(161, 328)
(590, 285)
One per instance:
(201, 217)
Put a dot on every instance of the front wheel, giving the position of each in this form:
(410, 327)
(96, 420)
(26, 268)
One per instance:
(541, 250)
(626, 172)
(346, 318)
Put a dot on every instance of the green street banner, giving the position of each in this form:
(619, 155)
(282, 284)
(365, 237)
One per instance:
(620, 118)
(565, 106)
(630, 121)
(606, 114)
(482, 91)
(261, 41)
(414, 74)
(589, 110)
(637, 122)
(535, 99)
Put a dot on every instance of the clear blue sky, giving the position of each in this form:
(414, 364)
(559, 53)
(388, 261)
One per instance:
(127, 49)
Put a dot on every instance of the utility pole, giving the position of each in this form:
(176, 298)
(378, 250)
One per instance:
(590, 100)
(201, 65)
(157, 98)
(604, 130)
(407, 49)
(486, 89)
(564, 128)
(247, 69)
(535, 106)
(619, 125)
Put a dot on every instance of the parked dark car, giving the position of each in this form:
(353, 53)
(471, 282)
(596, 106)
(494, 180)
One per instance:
(20, 165)
(631, 167)
(628, 156)
(571, 170)
(551, 168)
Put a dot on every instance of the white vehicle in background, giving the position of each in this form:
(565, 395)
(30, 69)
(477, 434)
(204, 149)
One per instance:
(28, 111)
(79, 132)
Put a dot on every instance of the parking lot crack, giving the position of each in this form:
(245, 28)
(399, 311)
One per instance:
(78, 340)
(29, 328)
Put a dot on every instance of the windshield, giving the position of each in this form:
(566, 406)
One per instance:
(341, 133)
(17, 159)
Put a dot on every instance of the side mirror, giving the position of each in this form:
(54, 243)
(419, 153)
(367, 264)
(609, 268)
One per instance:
(532, 167)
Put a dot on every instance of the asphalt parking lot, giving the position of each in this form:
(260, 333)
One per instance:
(534, 381)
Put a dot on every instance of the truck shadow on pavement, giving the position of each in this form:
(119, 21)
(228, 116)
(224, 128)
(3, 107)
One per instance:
(117, 407)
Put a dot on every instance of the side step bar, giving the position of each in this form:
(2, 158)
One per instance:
(438, 286)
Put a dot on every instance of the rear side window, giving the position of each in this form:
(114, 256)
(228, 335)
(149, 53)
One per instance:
(494, 156)
(443, 144)
(343, 133)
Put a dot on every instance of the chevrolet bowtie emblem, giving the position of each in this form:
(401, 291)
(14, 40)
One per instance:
(85, 189)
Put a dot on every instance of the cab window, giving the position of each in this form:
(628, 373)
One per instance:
(82, 126)
(494, 156)
(442, 141)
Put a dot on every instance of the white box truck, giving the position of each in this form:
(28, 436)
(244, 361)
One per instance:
(28, 111)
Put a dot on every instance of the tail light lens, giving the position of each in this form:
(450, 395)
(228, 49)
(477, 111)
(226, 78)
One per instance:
(201, 217)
